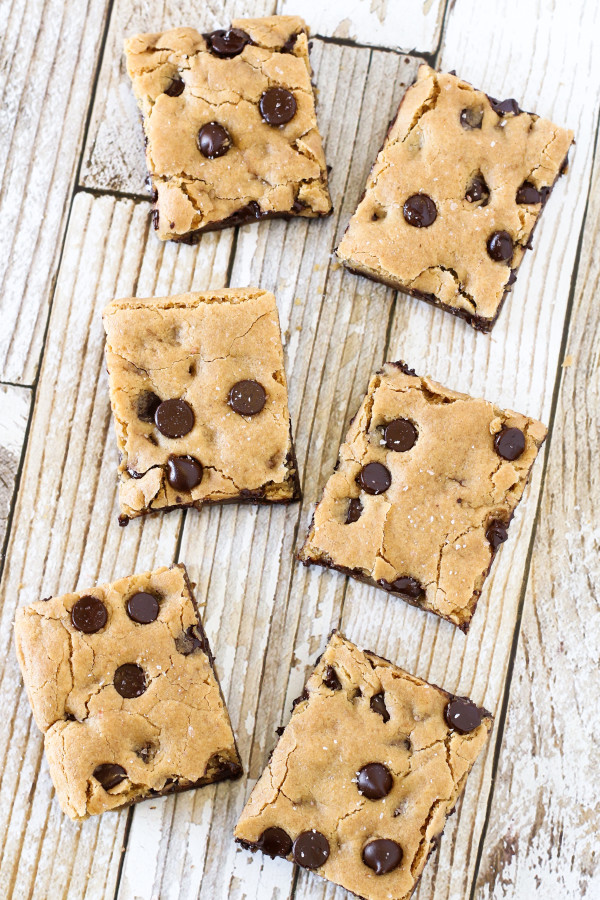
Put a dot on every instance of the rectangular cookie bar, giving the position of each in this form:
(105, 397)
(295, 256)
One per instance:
(454, 195)
(121, 682)
(230, 125)
(423, 493)
(365, 774)
(199, 398)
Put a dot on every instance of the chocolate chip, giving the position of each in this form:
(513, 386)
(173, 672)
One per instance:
(109, 775)
(174, 418)
(176, 87)
(500, 246)
(275, 842)
(277, 106)
(378, 706)
(130, 681)
(509, 443)
(247, 398)
(147, 403)
(505, 107)
(408, 587)
(311, 849)
(142, 607)
(89, 615)
(374, 478)
(213, 140)
(400, 435)
(477, 190)
(496, 533)
(512, 277)
(155, 219)
(184, 473)
(190, 640)
(471, 117)
(355, 509)
(331, 680)
(289, 45)
(527, 193)
(463, 715)
(227, 44)
(374, 781)
(382, 855)
(420, 211)
(147, 752)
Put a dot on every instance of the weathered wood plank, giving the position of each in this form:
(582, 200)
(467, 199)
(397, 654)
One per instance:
(65, 531)
(15, 404)
(542, 836)
(411, 26)
(49, 51)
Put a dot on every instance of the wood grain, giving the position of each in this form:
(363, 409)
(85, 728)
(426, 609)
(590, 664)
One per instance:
(15, 404)
(48, 51)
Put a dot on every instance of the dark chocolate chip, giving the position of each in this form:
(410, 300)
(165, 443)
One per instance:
(147, 404)
(355, 509)
(289, 45)
(500, 246)
(176, 87)
(400, 435)
(303, 696)
(311, 849)
(382, 855)
(174, 418)
(408, 587)
(512, 277)
(471, 117)
(374, 478)
(298, 206)
(130, 681)
(509, 443)
(190, 640)
(277, 106)
(227, 44)
(147, 752)
(420, 211)
(155, 217)
(477, 190)
(331, 680)
(142, 607)
(213, 140)
(89, 615)
(247, 398)
(109, 775)
(184, 473)
(463, 715)
(505, 107)
(527, 193)
(378, 706)
(374, 781)
(275, 842)
(496, 533)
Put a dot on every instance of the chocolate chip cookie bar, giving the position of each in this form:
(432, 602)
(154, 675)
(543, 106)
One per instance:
(423, 493)
(230, 125)
(454, 195)
(364, 776)
(199, 398)
(121, 682)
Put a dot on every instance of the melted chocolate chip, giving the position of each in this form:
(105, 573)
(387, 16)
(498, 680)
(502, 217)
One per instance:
(289, 45)
(378, 706)
(190, 640)
(500, 246)
(400, 435)
(527, 193)
(331, 680)
(477, 190)
(382, 855)
(512, 277)
(130, 681)
(227, 44)
(509, 443)
(176, 87)
(247, 398)
(374, 478)
(174, 418)
(155, 219)
(277, 106)
(147, 404)
(142, 607)
(420, 211)
(496, 534)
(472, 117)
(275, 842)
(463, 715)
(213, 140)
(374, 781)
(505, 107)
(355, 509)
(89, 615)
(408, 587)
(311, 849)
(109, 775)
(184, 473)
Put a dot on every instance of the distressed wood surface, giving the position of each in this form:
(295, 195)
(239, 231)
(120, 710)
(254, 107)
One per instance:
(15, 404)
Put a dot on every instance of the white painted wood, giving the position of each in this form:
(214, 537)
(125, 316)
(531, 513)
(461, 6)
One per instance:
(48, 53)
(15, 403)
(411, 26)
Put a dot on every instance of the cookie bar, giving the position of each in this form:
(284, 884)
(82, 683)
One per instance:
(423, 493)
(121, 681)
(230, 125)
(364, 776)
(199, 398)
(454, 195)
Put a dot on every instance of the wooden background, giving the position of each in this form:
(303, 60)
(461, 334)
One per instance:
(74, 211)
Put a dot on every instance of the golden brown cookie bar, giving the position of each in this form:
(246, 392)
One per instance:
(423, 493)
(121, 681)
(199, 398)
(230, 125)
(454, 195)
(365, 774)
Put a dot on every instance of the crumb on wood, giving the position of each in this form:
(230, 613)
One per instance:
(568, 361)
